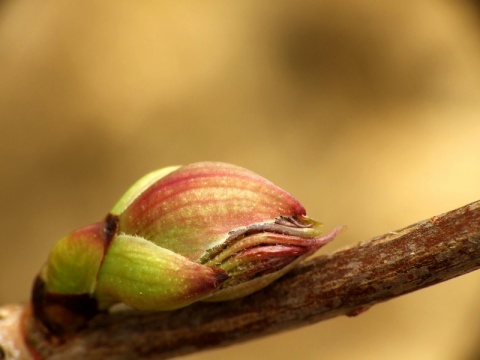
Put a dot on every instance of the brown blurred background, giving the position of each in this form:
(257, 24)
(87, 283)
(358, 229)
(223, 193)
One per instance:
(368, 112)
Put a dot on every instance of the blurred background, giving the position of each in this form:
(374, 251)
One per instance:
(368, 112)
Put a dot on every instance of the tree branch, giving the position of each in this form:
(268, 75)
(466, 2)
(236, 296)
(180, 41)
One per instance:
(348, 281)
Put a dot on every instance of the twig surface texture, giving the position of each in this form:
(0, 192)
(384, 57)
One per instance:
(348, 281)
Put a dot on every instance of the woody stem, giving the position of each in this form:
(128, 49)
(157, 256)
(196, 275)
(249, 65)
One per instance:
(343, 283)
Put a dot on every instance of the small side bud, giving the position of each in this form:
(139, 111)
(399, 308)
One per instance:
(74, 261)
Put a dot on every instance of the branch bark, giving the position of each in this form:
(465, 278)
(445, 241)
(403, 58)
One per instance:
(346, 282)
